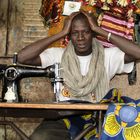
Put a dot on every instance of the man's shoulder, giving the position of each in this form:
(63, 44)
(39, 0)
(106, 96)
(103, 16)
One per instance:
(55, 49)
(112, 51)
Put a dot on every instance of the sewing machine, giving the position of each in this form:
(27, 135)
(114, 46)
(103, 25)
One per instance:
(11, 75)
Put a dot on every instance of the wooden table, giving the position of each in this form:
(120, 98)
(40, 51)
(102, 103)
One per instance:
(46, 110)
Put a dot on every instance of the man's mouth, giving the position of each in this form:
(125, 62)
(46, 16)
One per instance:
(81, 45)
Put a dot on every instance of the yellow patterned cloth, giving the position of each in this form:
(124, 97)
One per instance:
(122, 122)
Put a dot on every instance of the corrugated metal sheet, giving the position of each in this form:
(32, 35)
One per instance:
(33, 26)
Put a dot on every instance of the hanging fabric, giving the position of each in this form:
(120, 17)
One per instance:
(117, 25)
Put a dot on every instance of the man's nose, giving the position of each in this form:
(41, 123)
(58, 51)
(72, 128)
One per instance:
(80, 36)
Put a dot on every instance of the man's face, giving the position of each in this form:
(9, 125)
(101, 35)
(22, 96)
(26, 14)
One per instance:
(81, 37)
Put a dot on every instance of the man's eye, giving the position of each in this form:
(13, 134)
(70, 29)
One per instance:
(74, 33)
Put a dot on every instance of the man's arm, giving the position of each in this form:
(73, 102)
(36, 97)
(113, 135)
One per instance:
(30, 54)
(131, 50)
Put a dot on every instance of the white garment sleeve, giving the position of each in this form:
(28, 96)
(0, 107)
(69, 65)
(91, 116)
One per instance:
(114, 62)
(51, 56)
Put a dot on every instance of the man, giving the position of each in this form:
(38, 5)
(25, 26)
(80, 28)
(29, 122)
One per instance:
(87, 67)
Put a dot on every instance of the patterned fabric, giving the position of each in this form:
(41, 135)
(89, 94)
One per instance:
(76, 124)
(51, 11)
(117, 25)
(117, 125)
(122, 121)
(124, 7)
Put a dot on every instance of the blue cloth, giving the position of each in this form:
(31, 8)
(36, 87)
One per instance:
(122, 121)
(75, 124)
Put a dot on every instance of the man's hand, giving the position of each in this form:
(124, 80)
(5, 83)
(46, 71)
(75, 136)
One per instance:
(67, 23)
(92, 20)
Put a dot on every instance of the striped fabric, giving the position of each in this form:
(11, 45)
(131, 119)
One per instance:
(116, 25)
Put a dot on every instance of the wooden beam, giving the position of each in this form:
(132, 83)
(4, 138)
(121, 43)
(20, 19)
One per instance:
(63, 106)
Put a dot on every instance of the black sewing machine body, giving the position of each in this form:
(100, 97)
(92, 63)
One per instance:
(12, 74)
